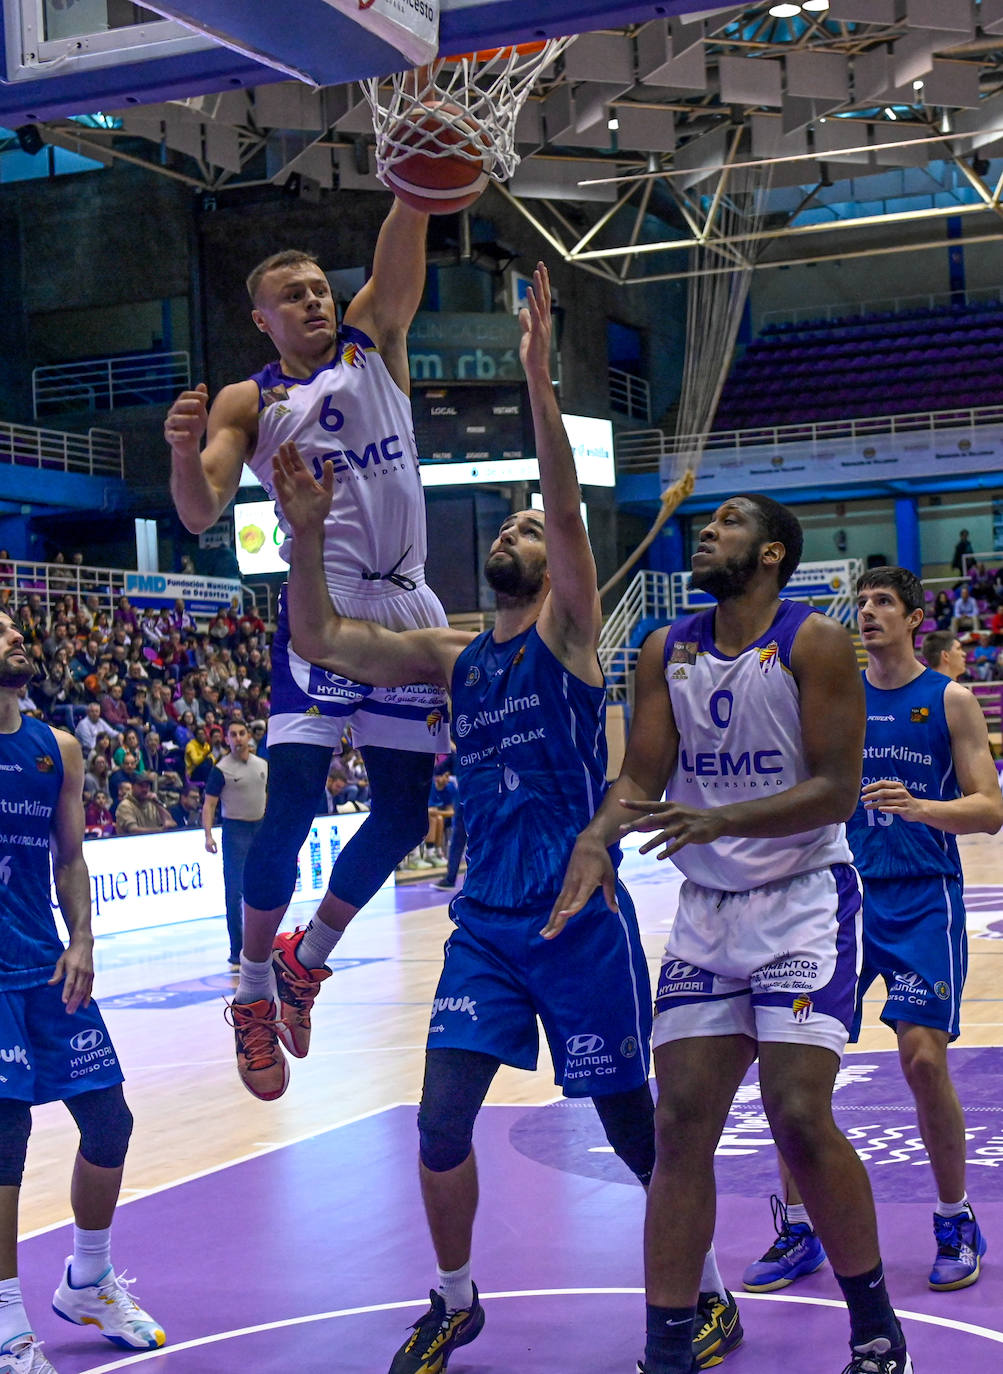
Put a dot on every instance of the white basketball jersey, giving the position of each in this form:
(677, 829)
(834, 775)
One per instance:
(352, 412)
(739, 723)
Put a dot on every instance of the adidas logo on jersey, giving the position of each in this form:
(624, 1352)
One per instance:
(680, 673)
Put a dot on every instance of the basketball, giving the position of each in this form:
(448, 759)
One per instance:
(448, 168)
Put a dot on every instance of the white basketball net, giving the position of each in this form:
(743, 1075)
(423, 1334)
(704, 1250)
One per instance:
(487, 92)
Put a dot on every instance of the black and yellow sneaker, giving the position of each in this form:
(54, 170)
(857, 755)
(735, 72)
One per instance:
(718, 1330)
(436, 1335)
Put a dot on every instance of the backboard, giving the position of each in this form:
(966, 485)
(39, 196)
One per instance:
(60, 59)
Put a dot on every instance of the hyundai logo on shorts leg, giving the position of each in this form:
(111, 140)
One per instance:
(88, 1039)
(585, 1044)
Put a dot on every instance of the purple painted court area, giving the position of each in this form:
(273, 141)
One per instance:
(297, 1241)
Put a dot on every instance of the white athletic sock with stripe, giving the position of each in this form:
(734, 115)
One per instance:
(710, 1278)
(953, 1209)
(257, 982)
(797, 1214)
(456, 1288)
(91, 1256)
(13, 1318)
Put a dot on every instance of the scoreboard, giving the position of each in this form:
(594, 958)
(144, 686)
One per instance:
(455, 423)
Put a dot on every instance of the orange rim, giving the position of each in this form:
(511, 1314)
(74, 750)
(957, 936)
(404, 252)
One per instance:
(489, 54)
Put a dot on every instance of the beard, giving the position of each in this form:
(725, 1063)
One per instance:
(14, 675)
(510, 580)
(725, 583)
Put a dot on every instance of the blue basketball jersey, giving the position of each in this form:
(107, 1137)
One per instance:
(907, 739)
(531, 765)
(31, 774)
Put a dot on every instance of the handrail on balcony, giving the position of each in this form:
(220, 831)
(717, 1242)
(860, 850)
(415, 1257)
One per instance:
(98, 452)
(132, 379)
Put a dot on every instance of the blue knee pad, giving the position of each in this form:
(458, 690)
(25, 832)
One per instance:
(296, 777)
(15, 1128)
(398, 821)
(105, 1124)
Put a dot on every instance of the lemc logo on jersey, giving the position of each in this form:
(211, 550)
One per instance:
(768, 656)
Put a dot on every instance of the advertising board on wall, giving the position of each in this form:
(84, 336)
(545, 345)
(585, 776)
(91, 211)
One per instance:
(861, 458)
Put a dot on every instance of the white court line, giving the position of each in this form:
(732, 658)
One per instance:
(967, 1327)
(266, 1149)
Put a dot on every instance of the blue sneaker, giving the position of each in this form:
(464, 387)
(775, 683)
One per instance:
(960, 1247)
(796, 1252)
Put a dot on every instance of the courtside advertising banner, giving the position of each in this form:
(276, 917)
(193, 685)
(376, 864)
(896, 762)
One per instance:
(140, 882)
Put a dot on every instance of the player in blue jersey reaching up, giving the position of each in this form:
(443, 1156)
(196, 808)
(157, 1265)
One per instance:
(752, 714)
(56, 1045)
(928, 777)
(342, 395)
(528, 710)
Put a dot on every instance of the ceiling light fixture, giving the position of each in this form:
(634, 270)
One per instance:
(612, 124)
(784, 11)
(814, 6)
(890, 112)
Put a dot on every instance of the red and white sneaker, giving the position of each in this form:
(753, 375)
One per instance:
(263, 1068)
(298, 988)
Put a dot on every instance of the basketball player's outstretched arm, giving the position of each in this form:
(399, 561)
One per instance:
(570, 619)
(357, 649)
(75, 966)
(386, 305)
(979, 810)
(204, 480)
(647, 766)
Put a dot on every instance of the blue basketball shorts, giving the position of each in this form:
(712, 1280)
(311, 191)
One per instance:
(778, 963)
(589, 987)
(311, 705)
(47, 1055)
(915, 939)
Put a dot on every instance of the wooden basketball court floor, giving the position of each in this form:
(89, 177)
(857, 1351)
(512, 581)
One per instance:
(289, 1236)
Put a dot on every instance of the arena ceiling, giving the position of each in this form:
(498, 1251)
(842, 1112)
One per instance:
(865, 123)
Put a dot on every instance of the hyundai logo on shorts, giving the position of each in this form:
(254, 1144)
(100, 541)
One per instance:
(585, 1044)
(87, 1040)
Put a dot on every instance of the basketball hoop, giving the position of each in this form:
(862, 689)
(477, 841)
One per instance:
(480, 93)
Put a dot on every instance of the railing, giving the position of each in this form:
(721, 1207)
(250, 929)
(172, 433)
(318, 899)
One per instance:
(135, 379)
(991, 558)
(19, 579)
(648, 597)
(846, 310)
(629, 395)
(97, 451)
(642, 450)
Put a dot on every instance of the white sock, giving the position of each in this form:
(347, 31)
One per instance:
(91, 1256)
(953, 1209)
(797, 1214)
(318, 941)
(13, 1318)
(257, 982)
(456, 1288)
(710, 1278)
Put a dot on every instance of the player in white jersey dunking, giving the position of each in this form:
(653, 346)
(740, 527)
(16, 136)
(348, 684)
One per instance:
(341, 394)
(752, 713)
